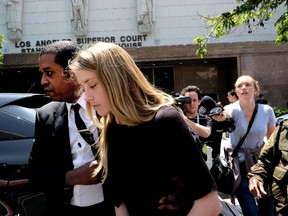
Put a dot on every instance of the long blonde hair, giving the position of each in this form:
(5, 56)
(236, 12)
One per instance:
(133, 99)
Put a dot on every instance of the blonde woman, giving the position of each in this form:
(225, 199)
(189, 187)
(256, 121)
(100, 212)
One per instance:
(146, 149)
(263, 126)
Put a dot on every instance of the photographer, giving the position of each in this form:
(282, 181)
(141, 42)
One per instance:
(199, 124)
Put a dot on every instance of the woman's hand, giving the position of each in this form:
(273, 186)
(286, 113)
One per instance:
(168, 203)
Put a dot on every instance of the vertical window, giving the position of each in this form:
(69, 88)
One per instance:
(161, 77)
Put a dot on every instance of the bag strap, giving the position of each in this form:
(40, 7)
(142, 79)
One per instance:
(248, 129)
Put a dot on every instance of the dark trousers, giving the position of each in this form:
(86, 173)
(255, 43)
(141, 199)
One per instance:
(101, 209)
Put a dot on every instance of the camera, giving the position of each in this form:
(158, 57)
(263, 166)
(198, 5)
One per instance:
(209, 107)
(215, 111)
(179, 101)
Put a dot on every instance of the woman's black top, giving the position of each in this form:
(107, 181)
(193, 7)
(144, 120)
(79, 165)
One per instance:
(152, 160)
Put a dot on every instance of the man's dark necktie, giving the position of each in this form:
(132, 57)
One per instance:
(82, 129)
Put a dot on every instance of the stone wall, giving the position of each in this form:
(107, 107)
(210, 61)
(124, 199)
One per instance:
(265, 61)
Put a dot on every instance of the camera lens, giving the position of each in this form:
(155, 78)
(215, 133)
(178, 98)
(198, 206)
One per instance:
(215, 111)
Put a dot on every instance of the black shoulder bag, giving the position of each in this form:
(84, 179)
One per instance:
(222, 173)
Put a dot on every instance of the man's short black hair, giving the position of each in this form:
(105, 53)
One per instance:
(64, 51)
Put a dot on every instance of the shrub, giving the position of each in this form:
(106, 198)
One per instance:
(280, 111)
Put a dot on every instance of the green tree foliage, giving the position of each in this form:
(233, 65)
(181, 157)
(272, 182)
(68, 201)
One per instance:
(1, 54)
(252, 13)
(280, 111)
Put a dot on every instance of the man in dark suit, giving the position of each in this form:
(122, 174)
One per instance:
(61, 162)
